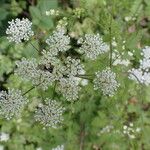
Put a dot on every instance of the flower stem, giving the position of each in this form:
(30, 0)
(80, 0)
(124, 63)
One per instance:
(34, 47)
(33, 87)
(110, 43)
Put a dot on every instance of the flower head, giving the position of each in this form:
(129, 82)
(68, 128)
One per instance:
(106, 81)
(92, 46)
(49, 114)
(142, 74)
(58, 41)
(59, 147)
(69, 87)
(29, 70)
(19, 30)
(11, 103)
(73, 67)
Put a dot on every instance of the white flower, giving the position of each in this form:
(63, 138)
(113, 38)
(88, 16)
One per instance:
(131, 124)
(59, 147)
(129, 18)
(73, 67)
(49, 60)
(92, 46)
(106, 81)
(125, 127)
(50, 114)
(114, 43)
(26, 69)
(4, 136)
(19, 30)
(118, 60)
(142, 74)
(11, 103)
(62, 23)
(52, 12)
(130, 131)
(131, 136)
(84, 82)
(106, 129)
(69, 87)
(30, 70)
(43, 79)
(138, 129)
(58, 41)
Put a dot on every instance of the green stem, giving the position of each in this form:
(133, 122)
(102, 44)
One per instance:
(34, 47)
(33, 87)
(53, 96)
(110, 43)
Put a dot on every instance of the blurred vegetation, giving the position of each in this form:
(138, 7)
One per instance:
(92, 112)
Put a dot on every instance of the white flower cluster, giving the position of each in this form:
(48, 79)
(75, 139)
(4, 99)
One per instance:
(142, 73)
(129, 18)
(52, 12)
(131, 131)
(19, 30)
(11, 103)
(92, 46)
(59, 147)
(69, 87)
(29, 70)
(4, 137)
(106, 129)
(26, 68)
(62, 23)
(118, 58)
(58, 41)
(73, 67)
(106, 81)
(50, 114)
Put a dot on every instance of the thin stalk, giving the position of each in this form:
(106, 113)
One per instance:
(34, 47)
(53, 96)
(33, 87)
(84, 77)
(110, 43)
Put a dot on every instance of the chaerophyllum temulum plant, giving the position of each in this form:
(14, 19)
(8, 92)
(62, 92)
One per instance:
(61, 66)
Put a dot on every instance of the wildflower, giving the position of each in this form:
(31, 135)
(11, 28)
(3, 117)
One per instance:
(131, 131)
(92, 46)
(62, 23)
(69, 87)
(4, 136)
(52, 12)
(11, 103)
(48, 59)
(73, 67)
(58, 41)
(106, 81)
(106, 129)
(49, 114)
(26, 68)
(142, 74)
(59, 147)
(29, 70)
(84, 82)
(118, 60)
(19, 30)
